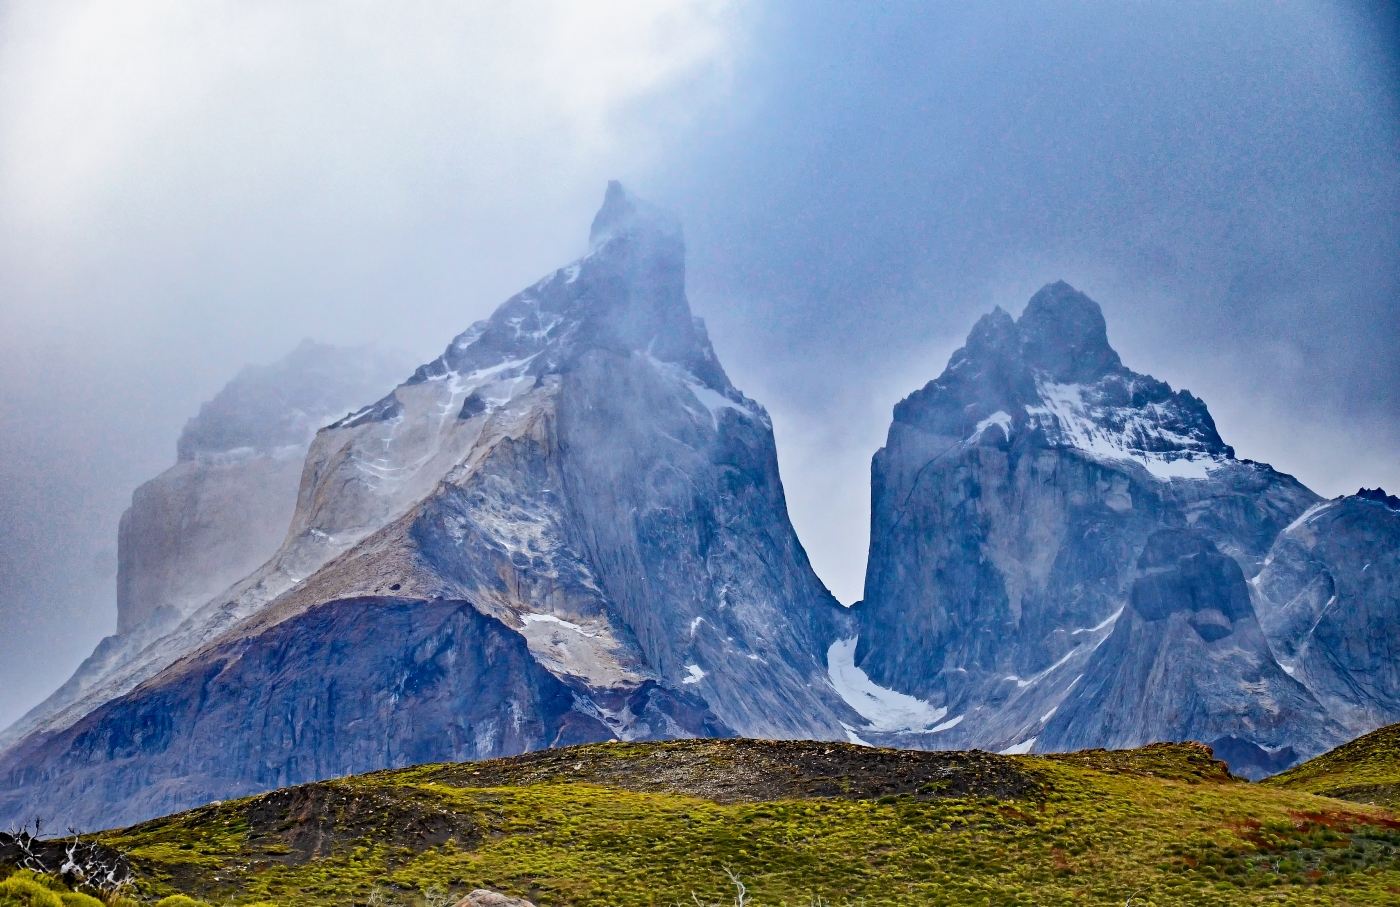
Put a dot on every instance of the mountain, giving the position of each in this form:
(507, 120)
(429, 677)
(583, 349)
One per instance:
(1012, 509)
(1328, 599)
(219, 512)
(568, 527)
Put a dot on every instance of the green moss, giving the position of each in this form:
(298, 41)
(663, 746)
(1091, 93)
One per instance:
(78, 899)
(179, 900)
(48, 880)
(29, 891)
(1165, 823)
(1190, 762)
(1367, 770)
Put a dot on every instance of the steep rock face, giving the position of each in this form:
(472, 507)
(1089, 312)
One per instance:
(1187, 660)
(223, 509)
(1010, 504)
(1328, 599)
(450, 684)
(197, 529)
(577, 468)
(581, 460)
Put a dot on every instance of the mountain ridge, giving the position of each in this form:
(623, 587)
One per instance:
(1010, 506)
(579, 471)
(588, 521)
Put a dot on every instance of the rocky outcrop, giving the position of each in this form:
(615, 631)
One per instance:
(219, 513)
(1187, 660)
(1328, 599)
(577, 482)
(1010, 505)
(483, 897)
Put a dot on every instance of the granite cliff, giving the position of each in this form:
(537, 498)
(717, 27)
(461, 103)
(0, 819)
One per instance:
(1328, 599)
(1012, 508)
(1187, 659)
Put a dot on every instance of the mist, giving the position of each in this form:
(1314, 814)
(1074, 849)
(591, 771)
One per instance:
(188, 189)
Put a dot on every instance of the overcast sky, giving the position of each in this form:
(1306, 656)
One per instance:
(189, 187)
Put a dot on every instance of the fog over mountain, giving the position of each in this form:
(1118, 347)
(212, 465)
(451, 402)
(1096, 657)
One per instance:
(186, 191)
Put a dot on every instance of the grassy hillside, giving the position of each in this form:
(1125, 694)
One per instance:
(1367, 770)
(798, 823)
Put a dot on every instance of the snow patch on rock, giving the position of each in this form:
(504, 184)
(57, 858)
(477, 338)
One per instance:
(1070, 415)
(886, 710)
(999, 418)
(948, 725)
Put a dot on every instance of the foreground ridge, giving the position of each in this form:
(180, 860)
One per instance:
(1366, 770)
(642, 823)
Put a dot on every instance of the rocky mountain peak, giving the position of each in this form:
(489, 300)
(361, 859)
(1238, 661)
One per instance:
(626, 296)
(623, 215)
(993, 336)
(1052, 375)
(568, 527)
(1063, 333)
(1060, 550)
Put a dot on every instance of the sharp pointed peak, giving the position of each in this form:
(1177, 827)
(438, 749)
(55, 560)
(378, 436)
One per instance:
(994, 330)
(623, 213)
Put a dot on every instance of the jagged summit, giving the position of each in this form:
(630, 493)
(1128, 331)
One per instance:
(568, 527)
(623, 214)
(1010, 507)
(1378, 495)
(626, 295)
(1052, 373)
(1064, 335)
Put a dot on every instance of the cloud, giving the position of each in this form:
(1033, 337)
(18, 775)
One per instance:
(139, 143)
(186, 187)
(98, 94)
(189, 187)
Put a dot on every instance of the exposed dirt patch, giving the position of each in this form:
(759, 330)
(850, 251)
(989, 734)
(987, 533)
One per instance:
(298, 824)
(731, 771)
